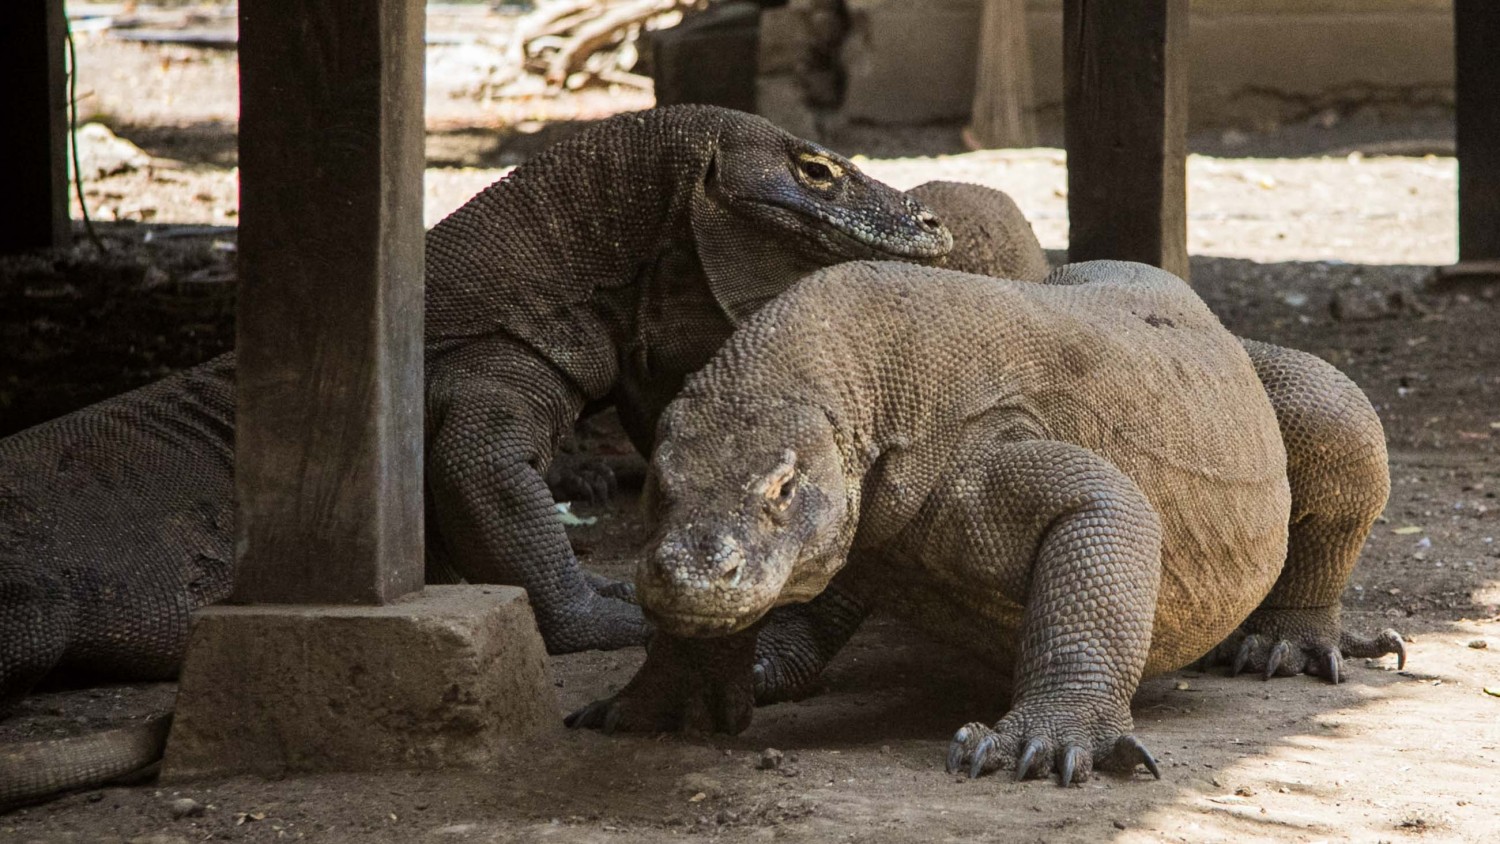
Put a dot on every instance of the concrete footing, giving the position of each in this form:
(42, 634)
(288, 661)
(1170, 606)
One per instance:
(445, 678)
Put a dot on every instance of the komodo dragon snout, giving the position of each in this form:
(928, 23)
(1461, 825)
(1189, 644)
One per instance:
(767, 525)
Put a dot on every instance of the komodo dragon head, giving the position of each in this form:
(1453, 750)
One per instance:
(770, 205)
(749, 517)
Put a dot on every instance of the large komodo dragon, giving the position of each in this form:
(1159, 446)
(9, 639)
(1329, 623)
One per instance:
(1336, 466)
(604, 270)
(1336, 459)
(1040, 472)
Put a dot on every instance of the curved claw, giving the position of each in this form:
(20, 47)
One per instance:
(584, 718)
(956, 750)
(1332, 666)
(986, 745)
(1129, 752)
(1278, 655)
(1028, 757)
(1242, 657)
(1073, 760)
(1391, 641)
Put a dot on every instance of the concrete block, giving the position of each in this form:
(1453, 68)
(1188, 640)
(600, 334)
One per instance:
(448, 677)
(780, 100)
(910, 62)
(1251, 60)
(709, 58)
(783, 41)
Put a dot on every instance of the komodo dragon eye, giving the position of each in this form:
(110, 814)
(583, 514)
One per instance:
(818, 171)
(780, 485)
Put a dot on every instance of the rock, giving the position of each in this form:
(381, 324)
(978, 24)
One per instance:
(186, 807)
(102, 153)
(770, 759)
(1479, 644)
(695, 784)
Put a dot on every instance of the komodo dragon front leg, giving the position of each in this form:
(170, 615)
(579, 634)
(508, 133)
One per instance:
(1074, 547)
(496, 414)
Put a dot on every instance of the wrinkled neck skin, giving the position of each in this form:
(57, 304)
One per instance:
(745, 268)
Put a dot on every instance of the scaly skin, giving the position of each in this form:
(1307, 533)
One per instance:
(1336, 464)
(602, 271)
(1036, 471)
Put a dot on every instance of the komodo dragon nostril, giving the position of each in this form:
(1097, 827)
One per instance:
(929, 221)
(732, 573)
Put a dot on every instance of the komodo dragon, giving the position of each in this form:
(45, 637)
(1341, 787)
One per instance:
(602, 271)
(1336, 459)
(1336, 464)
(1039, 472)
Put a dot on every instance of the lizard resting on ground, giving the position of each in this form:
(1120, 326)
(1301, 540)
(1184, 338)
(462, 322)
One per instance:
(602, 271)
(1039, 472)
(1336, 465)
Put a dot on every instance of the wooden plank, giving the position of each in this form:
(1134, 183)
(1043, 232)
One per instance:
(1476, 26)
(1004, 97)
(1125, 102)
(34, 140)
(329, 453)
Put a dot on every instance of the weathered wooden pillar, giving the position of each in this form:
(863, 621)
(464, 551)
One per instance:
(328, 463)
(1004, 97)
(34, 127)
(340, 660)
(1125, 102)
(1477, 52)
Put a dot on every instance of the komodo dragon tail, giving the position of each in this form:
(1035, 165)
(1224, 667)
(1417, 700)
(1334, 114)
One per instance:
(40, 770)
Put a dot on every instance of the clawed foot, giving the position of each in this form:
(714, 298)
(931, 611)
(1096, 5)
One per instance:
(1038, 744)
(1281, 643)
(624, 590)
(696, 686)
(581, 477)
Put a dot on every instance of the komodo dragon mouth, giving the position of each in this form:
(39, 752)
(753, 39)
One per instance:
(865, 241)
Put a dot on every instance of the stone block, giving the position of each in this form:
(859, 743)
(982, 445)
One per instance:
(910, 62)
(448, 677)
(710, 58)
(780, 100)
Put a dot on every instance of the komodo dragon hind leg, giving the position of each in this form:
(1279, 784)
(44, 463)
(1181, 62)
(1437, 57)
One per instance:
(1048, 525)
(1336, 464)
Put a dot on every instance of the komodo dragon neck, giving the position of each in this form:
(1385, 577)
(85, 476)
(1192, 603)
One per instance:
(568, 238)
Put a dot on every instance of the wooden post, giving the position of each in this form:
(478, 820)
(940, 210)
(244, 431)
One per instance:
(328, 460)
(1125, 101)
(1476, 26)
(1004, 96)
(34, 140)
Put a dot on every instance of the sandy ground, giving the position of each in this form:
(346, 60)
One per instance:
(1337, 247)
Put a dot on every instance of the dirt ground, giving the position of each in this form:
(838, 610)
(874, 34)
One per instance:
(1326, 252)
